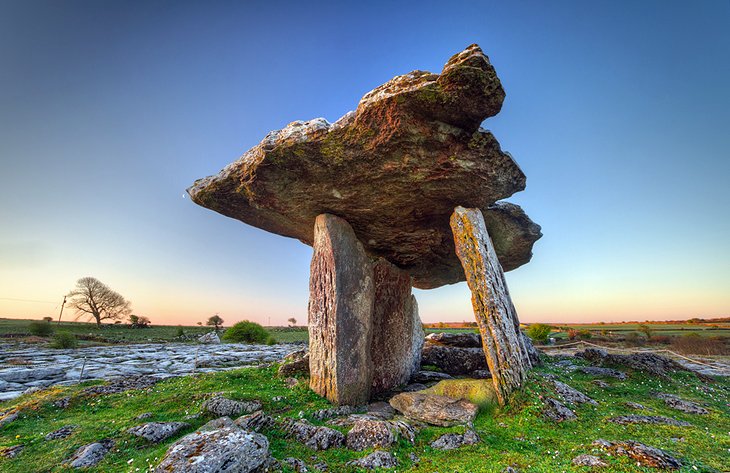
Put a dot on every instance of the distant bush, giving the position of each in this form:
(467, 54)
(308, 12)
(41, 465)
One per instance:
(48, 319)
(585, 334)
(694, 344)
(139, 321)
(180, 332)
(664, 339)
(633, 339)
(64, 340)
(40, 328)
(247, 332)
(572, 334)
(539, 332)
(646, 330)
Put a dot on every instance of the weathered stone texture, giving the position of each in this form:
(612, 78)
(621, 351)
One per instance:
(503, 344)
(418, 138)
(397, 330)
(341, 295)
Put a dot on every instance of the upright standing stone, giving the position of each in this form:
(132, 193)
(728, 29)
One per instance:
(503, 345)
(341, 294)
(397, 330)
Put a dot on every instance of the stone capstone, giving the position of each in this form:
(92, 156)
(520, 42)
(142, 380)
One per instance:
(463, 340)
(225, 450)
(418, 138)
(434, 409)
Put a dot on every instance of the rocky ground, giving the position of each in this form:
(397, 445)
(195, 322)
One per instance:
(25, 366)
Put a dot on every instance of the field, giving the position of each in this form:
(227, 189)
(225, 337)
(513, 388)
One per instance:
(516, 436)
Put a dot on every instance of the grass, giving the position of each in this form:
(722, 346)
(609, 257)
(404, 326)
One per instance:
(516, 435)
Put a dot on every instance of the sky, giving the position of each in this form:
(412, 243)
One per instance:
(617, 112)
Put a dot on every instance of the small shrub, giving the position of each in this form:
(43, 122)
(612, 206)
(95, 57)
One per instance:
(40, 328)
(572, 334)
(633, 339)
(246, 332)
(646, 330)
(64, 340)
(48, 319)
(539, 332)
(180, 332)
(271, 340)
(585, 334)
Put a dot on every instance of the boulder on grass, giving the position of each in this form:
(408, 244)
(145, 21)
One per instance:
(433, 409)
(210, 338)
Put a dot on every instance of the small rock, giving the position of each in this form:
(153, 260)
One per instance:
(255, 422)
(634, 405)
(464, 340)
(572, 395)
(424, 376)
(91, 454)
(454, 360)
(452, 441)
(601, 383)
(156, 432)
(314, 437)
(557, 412)
(675, 402)
(371, 434)
(219, 423)
(62, 403)
(143, 416)
(32, 390)
(222, 450)
(321, 466)
(291, 382)
(277, 398)
(634, 419)
(414, 458)
(295, 464)
(11, 452)
(209, 338)
(8, 417)
(324, 414)
(480, 374)
(61, 433)
(377, 459)
(434, 409)
(588, 460)
(643, 454)
(222, 406)
(382, 410)
(600, 371)
(296, 363)
(123, 384)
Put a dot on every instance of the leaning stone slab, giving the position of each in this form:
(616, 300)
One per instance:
(91, 454)
(341, 295)
(504, 346)
(226, 450)
(433, 409)
(156, 432)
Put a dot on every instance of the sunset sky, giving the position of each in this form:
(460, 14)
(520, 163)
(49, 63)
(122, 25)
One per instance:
(617, 112)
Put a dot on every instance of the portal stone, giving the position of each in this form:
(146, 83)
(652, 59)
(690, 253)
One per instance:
(397, 330)
(341, 294)
(503, 344)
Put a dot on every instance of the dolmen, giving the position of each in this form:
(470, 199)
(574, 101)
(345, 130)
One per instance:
(406, 191)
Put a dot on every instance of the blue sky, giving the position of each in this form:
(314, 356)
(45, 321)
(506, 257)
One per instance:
(618, 113)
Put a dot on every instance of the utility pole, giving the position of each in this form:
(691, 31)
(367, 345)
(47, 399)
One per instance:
(61, 313)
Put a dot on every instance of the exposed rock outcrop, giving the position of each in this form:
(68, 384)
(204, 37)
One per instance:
(644, 455)
(222, 406)
(91, 454)
(156, 432)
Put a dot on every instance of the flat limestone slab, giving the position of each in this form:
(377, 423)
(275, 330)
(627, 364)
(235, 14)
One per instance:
(394, 169)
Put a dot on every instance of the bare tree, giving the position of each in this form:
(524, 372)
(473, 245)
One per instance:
(216, 321)
(92, 298)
